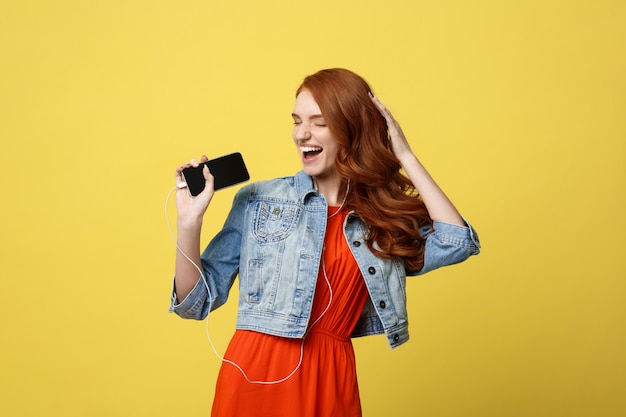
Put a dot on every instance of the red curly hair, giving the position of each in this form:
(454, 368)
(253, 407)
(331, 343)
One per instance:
(382, 197)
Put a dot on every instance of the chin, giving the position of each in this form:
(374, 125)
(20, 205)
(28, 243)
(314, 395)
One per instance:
(310, 172)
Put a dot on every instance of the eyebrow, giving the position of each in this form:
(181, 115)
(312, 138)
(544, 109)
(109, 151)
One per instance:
(315, 116)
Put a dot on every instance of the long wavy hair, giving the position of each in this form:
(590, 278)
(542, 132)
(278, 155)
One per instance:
(382, 197)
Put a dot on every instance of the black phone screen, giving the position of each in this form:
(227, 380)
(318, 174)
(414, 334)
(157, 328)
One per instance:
(227, 170)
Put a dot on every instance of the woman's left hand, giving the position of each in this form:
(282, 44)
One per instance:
(438, 205)
(399, 145)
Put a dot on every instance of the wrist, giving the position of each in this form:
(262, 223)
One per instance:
(189, 223)
(407, 159)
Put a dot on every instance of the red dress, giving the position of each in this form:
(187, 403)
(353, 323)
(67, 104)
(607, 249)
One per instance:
(325, 383)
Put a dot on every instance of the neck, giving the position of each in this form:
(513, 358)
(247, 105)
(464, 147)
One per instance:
(333, 190)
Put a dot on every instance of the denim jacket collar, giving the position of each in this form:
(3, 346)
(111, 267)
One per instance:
(304, 185)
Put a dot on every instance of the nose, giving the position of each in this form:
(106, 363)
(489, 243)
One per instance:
(301, 132)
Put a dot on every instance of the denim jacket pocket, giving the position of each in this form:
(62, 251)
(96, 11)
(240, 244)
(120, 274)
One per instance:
(254, 281)
(274, 221)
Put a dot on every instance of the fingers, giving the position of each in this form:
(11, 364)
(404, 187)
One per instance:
(180, 180)
(193, 163)
(377, 102)
(179, 171)
(396, 136)
(381, 107)
(206, 173)
(392, 124)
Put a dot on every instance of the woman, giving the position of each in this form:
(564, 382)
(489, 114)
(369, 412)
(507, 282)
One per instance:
(321, 256)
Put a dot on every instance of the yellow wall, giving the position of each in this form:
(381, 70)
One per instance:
(517, 108)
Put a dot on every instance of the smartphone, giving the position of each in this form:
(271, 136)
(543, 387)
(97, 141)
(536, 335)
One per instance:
(227, 170)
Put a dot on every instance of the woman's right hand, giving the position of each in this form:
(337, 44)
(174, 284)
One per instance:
(191, 209)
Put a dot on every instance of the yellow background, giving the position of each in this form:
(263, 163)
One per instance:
(517, 108)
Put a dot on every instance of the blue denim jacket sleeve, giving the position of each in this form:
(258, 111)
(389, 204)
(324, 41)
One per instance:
(220, 266)
(447, 244)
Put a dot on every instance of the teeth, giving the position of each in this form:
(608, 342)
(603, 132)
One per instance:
(310, 148)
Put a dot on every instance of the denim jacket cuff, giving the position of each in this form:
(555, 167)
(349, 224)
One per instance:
(457, 235)
(190, 305)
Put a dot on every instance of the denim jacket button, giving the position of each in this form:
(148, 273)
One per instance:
(356, 243)
(396, 337)
(382, 304)
(371, 270)
(276, 211)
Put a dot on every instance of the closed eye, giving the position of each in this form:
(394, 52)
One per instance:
(316, 119)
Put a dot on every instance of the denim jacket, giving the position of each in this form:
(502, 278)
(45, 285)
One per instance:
(273, 240)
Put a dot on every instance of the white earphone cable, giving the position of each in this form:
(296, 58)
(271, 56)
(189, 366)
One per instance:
(208, 334)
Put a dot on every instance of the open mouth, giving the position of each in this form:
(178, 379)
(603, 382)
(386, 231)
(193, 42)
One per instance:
(310, 152)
